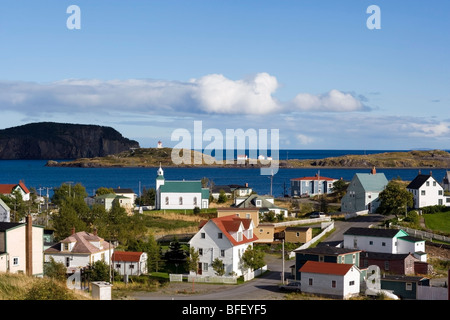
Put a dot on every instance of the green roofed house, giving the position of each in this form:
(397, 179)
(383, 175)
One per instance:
(362, 192)
(180, 194)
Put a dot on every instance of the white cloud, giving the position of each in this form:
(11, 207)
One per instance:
(210, 94)
(431, 130)
(333, 101)
(304, 139)
(217, 94)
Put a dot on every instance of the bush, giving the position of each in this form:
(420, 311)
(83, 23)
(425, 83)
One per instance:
(49, 290)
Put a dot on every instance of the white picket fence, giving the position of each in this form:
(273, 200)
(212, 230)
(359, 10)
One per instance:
(329, 227)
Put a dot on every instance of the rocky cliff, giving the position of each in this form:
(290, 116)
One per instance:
(49, 140)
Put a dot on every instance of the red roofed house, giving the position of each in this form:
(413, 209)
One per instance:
(80, 250)
(8, 189)
(225, 238)
(130, 263)
(331, 279)
(309, 186)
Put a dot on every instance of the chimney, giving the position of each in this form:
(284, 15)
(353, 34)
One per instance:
(73, 230)
(95, 231)
(29, 246)
(373, 171)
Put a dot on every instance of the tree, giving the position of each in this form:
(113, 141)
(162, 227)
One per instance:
(394, 199)
(103, 190)
(340, 187)
(218, 267)
(147, 198)
(68, 191)
(253, 258)
(55, 270)
(222, 196)
(65, 220)
(193, 260)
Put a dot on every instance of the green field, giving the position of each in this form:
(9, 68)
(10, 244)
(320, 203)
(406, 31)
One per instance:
(439, 221)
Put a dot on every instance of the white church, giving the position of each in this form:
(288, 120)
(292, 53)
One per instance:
(180, 194)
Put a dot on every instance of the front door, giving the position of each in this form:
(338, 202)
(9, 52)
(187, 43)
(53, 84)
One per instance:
(199, 270)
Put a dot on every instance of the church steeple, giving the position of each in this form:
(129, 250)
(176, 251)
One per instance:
(160, 172)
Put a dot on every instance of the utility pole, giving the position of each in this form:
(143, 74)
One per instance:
(282, 270)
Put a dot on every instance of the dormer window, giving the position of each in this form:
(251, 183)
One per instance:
(65, 246)
(258, 203)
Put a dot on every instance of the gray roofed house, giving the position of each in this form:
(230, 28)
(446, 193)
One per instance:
(427, 191)
(264, 203)
(391, 241)
(363, 191)
(5, 212)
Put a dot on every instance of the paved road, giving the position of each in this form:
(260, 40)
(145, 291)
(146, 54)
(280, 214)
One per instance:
(261, 288)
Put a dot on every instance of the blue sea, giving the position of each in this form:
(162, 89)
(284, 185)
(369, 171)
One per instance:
(36, 175)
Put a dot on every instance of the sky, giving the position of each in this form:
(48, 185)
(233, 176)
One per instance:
(326, 74)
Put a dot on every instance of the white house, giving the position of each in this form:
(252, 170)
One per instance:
(310, 186)
(426, 191)
(264, 203)
(107, 200)
(180, 194)
(21, 248)
(130, 263)
(79, 250)
(391, 241)
(5, 212)
(331, 279)
(363, 191)
(9, 189)
(225, 238)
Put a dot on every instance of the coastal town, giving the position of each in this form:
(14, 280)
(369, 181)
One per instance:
(313, 237)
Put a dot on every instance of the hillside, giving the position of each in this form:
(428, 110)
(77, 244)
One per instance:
(411, 159)
(23, 287)
(152, 157)
(50, 140)
(141, 157)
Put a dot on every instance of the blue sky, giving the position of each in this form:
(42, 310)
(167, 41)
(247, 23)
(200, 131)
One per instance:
(311, 69)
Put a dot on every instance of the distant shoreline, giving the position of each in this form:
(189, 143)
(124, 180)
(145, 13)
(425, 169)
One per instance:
(152, 158)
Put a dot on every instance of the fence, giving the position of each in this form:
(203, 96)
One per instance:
(432, 293)
(423, 234)
(212, 279)
(307, 244)
(252, 274)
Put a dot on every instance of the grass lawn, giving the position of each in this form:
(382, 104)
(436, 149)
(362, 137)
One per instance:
(438, 221)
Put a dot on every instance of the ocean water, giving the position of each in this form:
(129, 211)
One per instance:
(36, 175)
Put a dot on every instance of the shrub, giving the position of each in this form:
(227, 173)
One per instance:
(49, 290)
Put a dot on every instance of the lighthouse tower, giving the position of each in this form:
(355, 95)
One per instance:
(159, 183)
(159, 145)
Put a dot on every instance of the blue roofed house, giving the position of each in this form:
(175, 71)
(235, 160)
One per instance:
(362, 192)
(310, 186)
(180, 194)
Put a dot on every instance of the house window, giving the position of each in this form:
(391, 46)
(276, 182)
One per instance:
(383, 244)
(298, 234)
(354, 258)
(66, 247)
(310, 281)
(428, 183)
(408, 286)
(195, 201)
(239, 236)
(222, 253)
(333, 283)
(15, 261)
(422, 192)
(67, 262)
(371, 242)
(351, 283)
(220, 235)
(205, 266)
(181, 200)
(386, 265)
(117, 265)
(440, 192)
(131, 266)
(247, 215)
(167, 200)
(200, 251)
(203, 235)
(434, 183)
(321, 258)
